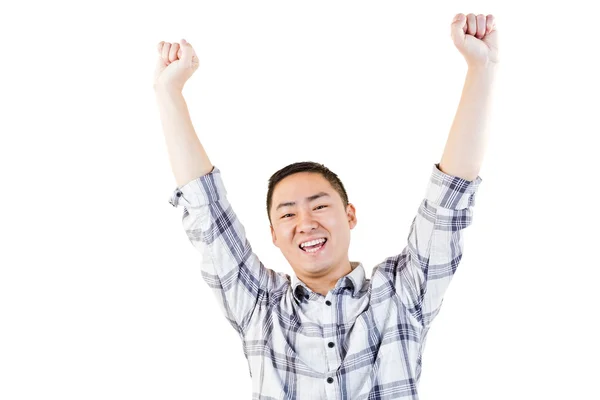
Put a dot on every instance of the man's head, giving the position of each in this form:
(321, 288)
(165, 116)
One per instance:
(306, 201)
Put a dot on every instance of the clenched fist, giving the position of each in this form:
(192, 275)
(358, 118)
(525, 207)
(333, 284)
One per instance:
(476, 38)
(175, 65)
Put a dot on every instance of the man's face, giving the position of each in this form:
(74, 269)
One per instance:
(317, 212)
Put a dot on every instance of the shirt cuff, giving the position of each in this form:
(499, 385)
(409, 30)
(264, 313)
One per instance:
(206, 189)
(451, 192)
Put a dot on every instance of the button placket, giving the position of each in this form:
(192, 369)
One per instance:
(330, 344)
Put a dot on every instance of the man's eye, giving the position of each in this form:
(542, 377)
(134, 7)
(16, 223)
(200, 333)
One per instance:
(316, 208)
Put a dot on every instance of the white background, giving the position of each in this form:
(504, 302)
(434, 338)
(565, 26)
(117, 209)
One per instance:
(101, 295)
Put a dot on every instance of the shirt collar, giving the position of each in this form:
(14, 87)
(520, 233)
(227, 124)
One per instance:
(354, 280)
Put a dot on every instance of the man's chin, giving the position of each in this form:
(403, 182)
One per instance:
(315, 266)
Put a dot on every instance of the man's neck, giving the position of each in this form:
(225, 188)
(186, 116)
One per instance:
(324, 284)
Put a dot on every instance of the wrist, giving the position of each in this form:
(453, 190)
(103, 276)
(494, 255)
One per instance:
(487, 68)
(160, 88)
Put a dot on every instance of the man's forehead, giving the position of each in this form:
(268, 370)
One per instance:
(304, 185)
(305, 189)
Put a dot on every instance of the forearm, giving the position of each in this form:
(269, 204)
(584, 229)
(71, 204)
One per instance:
(467, 141)
(187, 155)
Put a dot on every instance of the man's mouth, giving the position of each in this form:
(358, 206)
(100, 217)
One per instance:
(314, 248)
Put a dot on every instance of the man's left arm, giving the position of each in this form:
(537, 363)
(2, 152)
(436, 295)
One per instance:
(476, 38)
(425, 268)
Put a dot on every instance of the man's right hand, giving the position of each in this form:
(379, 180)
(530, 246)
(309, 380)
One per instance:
(175, 65)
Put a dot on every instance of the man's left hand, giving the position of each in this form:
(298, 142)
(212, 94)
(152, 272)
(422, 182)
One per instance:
(476, 38)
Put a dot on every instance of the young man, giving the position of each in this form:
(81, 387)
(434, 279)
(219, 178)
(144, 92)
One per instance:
(328, 332)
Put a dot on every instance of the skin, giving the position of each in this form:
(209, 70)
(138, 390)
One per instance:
(476, 38)
(321, 217)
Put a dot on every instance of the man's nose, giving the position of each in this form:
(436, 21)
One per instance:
(306, 221)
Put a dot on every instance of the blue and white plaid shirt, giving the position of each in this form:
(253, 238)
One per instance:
(365, 339)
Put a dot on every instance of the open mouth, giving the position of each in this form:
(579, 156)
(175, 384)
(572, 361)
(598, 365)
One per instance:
(316, 248)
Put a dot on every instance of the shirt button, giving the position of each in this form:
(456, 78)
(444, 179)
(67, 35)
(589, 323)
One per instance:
(330, 380)
(330, 344)
(306, 296)
(178, 194)
(328, 302)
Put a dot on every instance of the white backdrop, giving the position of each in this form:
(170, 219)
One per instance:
(101, 295)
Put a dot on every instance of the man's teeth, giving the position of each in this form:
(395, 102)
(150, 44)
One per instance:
(312, 242)
(313, 246)
(314, 250)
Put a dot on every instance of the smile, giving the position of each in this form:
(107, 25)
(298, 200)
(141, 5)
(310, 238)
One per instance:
(316, 250)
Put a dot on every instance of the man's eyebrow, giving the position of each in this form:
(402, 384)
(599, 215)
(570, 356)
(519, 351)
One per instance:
(309, 199)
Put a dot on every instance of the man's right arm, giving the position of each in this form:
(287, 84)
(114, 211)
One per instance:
(231, 269)
(187, 155)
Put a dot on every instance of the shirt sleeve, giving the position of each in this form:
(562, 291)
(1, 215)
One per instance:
(237, 277)
(435, 244)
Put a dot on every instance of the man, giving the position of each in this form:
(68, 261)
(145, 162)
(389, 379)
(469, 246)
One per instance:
(328, 332)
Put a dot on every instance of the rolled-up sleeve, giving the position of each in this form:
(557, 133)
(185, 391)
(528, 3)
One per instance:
(435, 244)
(229, 266)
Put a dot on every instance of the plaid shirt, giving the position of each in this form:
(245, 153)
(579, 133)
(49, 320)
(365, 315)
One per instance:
(365, 339)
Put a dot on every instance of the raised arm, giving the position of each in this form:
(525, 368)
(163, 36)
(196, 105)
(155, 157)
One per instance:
(476, 39)
(229, 266)
(425, 268)
(187, 155)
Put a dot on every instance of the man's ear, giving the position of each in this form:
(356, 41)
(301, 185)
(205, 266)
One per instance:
(351, 213)
(274, 236)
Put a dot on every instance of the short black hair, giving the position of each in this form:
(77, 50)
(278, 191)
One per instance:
(305, 166)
